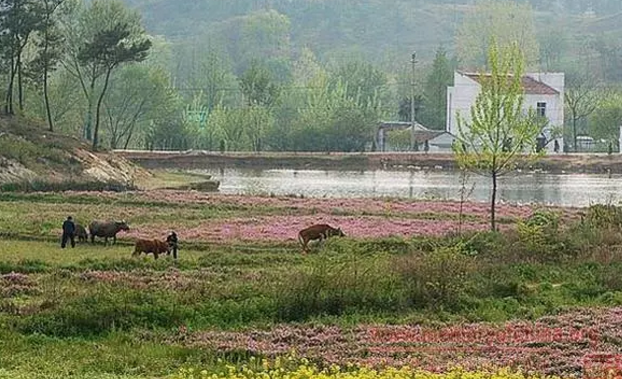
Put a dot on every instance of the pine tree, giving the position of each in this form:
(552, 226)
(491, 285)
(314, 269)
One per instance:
(434, 114)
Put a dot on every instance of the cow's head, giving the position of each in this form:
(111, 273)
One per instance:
(122, 225)
(337, 232)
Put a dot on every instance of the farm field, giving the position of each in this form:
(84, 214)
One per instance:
(410, 285)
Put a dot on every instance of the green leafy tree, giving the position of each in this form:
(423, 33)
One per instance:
(434, 114)
(215, 78)
(606, 120)
(230, 124)
(258, 86)
(492, 139)
(20, 19)
(332, 120)
(263, 35)
(553, 44)
(108, 50)
(49, 51)
(505, 20)
(135, 96)
(362, 80)
(261, 94)
(101, 37)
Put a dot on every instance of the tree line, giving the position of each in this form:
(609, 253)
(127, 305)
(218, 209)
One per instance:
(90, 69)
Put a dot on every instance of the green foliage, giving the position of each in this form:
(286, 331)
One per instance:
(604, 216)
(67, 185)
(332, 120)
(137, 95)
(434, 114)
(539, 235)
(497, 132)
(333, 286)
(258, 86)
(104, 312)
(438, 277)
(581, 99)
(398, 140)
(505, 21)
(606, 120)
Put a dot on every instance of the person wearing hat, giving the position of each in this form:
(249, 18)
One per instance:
(69, 230)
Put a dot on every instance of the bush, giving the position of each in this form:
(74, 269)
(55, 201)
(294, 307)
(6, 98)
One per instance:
(68, 185)
(540, 238)
(604, 216)
(333, 288)
(103, 312)
(436, 278)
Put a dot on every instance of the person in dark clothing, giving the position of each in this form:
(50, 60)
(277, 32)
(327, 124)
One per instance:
(69, 230)
(172, 242)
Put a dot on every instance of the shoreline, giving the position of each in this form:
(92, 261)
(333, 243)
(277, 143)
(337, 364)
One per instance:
(554, 164)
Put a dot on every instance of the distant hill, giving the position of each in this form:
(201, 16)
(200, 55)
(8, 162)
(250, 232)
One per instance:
(29, 152)
(377, 29)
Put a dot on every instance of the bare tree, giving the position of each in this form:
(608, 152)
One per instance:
(581, 97)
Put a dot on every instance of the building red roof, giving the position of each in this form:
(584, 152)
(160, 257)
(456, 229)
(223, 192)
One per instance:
(530, 85)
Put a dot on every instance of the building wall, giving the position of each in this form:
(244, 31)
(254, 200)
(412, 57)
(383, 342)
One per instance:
(462, 96)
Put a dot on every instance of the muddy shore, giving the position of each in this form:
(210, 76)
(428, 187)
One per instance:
(555, 164)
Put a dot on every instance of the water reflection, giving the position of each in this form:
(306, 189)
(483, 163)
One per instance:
(575, 189)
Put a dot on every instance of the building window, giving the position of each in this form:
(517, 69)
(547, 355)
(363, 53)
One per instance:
(541, 109)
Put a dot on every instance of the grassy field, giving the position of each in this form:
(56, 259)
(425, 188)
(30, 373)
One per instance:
(242, 290)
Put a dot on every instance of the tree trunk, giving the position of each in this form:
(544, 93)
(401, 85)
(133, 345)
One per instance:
(8, 106)
(20, 90)
(493, 200)
(574, 132)
(46, 97)
(89, 112)
(99, 104)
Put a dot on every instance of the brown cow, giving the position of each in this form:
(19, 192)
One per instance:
(318, 231)
(156, 247)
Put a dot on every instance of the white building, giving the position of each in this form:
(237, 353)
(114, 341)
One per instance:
(544, 92)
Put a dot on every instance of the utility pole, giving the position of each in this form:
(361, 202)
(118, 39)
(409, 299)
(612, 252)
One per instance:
(412, 103)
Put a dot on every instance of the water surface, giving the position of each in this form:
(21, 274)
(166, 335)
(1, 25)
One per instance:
(555, 189)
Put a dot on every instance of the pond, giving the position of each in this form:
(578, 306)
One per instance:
(541, 188)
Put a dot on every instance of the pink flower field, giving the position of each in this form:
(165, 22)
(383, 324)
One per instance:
(279, 219)
(321, 205)
(286, 228)
(574, 344)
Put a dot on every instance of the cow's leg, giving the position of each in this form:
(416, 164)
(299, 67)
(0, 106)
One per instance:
(155, 255)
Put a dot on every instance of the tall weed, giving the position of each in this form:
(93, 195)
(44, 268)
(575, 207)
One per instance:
(438, 278)
(338, 286)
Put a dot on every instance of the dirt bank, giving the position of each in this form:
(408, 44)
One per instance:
(568, 163)
(28, 151)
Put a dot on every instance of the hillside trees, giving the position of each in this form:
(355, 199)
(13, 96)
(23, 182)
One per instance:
(135, 97)
(19, 20)
(507, 21)
(101, 37)
(49, 52)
